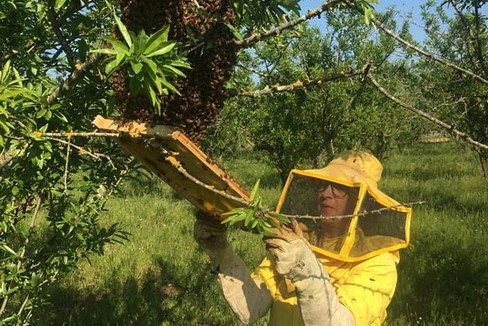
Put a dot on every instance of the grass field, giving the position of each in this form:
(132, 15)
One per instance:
(161, 277)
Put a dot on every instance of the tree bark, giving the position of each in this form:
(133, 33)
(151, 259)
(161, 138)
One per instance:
(484, 164)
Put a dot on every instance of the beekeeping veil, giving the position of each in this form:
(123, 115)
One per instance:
(376, 222)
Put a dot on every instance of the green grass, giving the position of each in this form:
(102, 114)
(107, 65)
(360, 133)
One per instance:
(161, 277)
(443, 275)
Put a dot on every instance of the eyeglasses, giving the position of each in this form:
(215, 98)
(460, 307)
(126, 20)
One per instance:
(338, 191)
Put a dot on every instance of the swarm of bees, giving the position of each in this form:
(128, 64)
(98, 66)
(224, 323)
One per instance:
(202, 25)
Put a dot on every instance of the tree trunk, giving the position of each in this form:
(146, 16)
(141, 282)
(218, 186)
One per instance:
(484, 164)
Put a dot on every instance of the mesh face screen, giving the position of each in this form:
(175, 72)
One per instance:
(302, 195)
(365, 225)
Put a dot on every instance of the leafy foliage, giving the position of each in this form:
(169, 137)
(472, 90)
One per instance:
(152, 60)
(255, 217)
(52, 190)
(54, 185)
(256, 13)
(308, 127)
(464, 102)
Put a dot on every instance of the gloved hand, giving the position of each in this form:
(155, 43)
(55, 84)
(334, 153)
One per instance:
(211, 234)
(292, 254)
(295, 260)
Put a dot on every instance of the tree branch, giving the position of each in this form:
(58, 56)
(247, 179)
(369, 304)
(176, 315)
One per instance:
(22, 254)
(256, 37)
(71, 81)
(429, 55)
(82, 151)
(299, 84)
(427, 116)
(78, 134)
(53, 18)
(340, 217)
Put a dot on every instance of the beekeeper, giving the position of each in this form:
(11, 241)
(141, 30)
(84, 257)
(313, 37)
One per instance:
(335, 264)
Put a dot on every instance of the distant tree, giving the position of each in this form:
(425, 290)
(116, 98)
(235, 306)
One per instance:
(457, 31)
(328, 106)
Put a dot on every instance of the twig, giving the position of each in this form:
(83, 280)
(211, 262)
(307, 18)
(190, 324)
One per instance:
(79, 134)
(297, 85)
(340, 217)
(429, 55)
(427, 116)
(177, 164)
(66, 165)
(256, 37)
(24, 248)
(53, 17)
(24, 303)
(83, 150)
(71, 81)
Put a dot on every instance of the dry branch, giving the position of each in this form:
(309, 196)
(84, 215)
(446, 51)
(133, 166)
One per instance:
(340, 217)
(299, 84)
(417, 49)
(256, 37)
(71, 81)
(427, 116)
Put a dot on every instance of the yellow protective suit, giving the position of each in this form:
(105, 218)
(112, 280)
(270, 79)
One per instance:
(365, 288)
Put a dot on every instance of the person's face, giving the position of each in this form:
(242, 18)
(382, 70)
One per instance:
(333, 200)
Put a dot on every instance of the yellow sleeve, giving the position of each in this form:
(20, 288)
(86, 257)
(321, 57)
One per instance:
(367, 289)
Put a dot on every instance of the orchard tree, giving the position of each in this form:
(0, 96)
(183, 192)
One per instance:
(462, 38)
(62, 63)
(442, 67)
(325, 105)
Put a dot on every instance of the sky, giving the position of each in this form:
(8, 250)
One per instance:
(405, 7)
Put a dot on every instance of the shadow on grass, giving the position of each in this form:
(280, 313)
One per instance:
(164, 296)
(445, 283)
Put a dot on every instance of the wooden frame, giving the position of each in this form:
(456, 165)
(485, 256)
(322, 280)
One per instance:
(180, 163)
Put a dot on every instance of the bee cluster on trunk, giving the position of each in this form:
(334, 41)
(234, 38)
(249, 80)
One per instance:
(202, 25)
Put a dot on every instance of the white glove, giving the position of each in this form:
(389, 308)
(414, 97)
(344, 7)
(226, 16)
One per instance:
(293, 256)
(211, 234)
(295, 260)
(248, 300)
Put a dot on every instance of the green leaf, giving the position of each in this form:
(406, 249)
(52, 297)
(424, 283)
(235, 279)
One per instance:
(136, 67)
(234, 211)
(119, 46)
(163, 50)
(175, 71)
(237, 34)
(249, 217)
(169, 86)
(152, 96)
(115, 63)
(5, 126)
(5, 72)
(279, 217)
(10, 250)
(156, 82)
(139, 42)
(61, 117)
(368, 14)
(180, 63)
(41, 113)
(105, 51)
(156, 39)
(153, 67)
(59, 4)
(254, 223)
(125, 33)
(254, 190)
